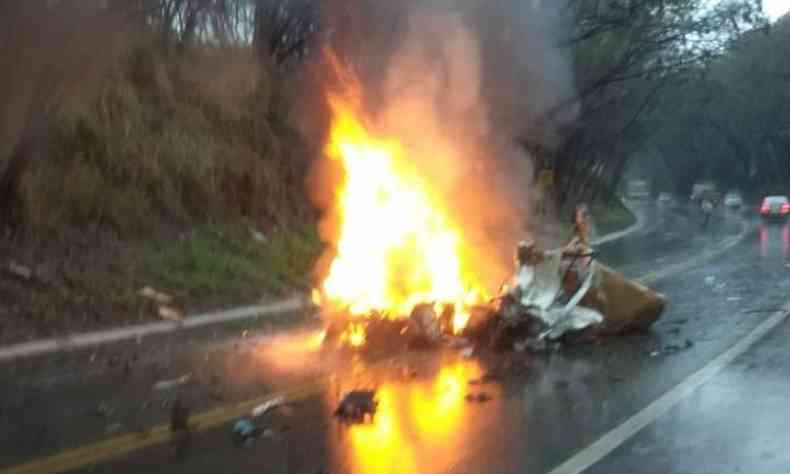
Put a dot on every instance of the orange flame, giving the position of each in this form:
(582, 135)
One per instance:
(398, 245)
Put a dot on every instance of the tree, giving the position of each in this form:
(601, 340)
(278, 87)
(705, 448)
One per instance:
(627, 55)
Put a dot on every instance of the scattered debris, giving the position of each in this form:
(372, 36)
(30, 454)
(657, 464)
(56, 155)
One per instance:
(481, 397)
(267, 405)
(154, 295)
(170, 314)
(424, 325)
(20, 271)
(245, 431)
(356, 404)
(467, 352)
(172, 383)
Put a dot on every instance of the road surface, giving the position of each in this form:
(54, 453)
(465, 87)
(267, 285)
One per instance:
(701, 392)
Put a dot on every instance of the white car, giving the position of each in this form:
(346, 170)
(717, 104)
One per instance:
(733, 199)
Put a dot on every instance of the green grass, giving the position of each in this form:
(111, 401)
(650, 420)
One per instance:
(216, 259)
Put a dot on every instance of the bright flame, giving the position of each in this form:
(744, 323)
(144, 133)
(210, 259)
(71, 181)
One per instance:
(354, 335)
(315, 297)
(398, 245)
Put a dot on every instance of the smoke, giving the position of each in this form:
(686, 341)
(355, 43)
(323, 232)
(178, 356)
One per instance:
(460, 83)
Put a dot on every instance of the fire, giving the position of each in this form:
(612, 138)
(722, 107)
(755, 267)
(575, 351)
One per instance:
(354, 335)
(398, 244)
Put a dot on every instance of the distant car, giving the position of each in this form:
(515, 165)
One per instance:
(664, 198)
(733, 199)
(775, 206)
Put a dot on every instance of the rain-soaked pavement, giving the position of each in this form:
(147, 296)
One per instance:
(537, 412)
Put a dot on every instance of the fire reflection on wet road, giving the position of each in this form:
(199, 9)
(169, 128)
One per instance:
(417, 420)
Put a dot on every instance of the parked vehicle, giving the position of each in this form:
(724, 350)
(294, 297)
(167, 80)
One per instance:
(733, 199)
(775, 207)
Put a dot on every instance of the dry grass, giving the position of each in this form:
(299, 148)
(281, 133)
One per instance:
(176, 139)
(154, 175)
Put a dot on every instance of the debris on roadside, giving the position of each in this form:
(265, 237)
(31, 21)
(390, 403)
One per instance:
(357, 404)
(172, 383)
(20, 271)
(169, 313)
(154, 295)
(244, 432)
(264, 407)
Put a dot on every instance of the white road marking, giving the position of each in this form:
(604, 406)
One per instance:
(616, 437)
(77, 341)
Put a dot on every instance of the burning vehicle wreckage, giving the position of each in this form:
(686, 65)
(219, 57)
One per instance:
(555, 297)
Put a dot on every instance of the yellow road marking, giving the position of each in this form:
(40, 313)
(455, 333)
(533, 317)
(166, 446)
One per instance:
(99, 451)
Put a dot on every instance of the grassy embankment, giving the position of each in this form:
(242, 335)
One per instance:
(176, 170)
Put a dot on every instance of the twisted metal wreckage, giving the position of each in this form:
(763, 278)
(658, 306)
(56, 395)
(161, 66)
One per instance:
(562, 295)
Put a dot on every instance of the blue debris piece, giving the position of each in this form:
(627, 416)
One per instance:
(244, 431)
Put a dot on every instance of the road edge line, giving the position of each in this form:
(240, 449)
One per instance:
(616, 437)
(95, 338)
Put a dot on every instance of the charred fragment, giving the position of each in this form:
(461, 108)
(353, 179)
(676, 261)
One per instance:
(356, 405)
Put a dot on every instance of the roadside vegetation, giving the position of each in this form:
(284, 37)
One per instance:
(173, 164)
(166, 143)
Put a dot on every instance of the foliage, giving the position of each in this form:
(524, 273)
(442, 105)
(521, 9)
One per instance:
(627, 55)
(728, 120)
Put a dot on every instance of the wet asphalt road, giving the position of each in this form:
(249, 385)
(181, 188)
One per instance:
(543, 408)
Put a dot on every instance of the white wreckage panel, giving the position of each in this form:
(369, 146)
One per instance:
(538, 288)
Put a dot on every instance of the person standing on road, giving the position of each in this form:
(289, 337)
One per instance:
(707, 210)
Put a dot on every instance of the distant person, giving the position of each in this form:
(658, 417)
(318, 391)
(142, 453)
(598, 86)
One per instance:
(707, 210)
